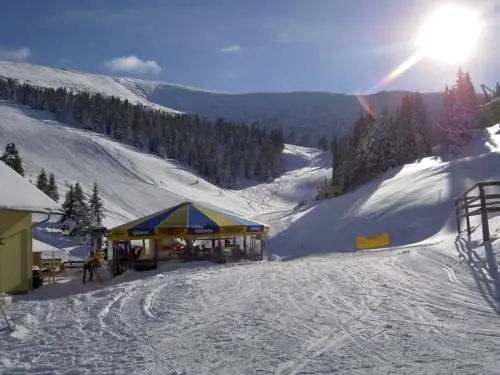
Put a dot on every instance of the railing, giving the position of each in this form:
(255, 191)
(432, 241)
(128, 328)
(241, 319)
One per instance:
(477, 202)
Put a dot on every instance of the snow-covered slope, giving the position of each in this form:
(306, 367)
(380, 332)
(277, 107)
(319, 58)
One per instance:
(413, 203)
(305, 116)
(75, 80)
(133, 183)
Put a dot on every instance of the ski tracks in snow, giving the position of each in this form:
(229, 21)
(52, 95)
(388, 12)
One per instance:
(407, 312)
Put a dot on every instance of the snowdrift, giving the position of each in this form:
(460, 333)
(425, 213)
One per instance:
(413, 203)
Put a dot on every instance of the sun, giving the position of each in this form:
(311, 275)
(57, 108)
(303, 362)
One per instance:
(450, 34)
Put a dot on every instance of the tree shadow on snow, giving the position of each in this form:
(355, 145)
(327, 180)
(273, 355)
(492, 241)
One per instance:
(484, 270)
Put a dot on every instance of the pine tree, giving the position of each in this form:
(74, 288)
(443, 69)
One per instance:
(42, 183)
(68, 205)
(12, 159)
(52, 191)
(81, 211)
(458, 117)
(96, 207)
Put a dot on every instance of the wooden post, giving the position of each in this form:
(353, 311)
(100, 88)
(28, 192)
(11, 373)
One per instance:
(156, 253)
(467, 217)
(457, 213)
(484, 214)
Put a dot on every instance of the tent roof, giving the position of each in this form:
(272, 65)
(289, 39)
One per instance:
(188, 219)
(18, 194)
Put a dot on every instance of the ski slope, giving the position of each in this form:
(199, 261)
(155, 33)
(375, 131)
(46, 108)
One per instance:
(427, 305)
(407, 311)
(133, 183)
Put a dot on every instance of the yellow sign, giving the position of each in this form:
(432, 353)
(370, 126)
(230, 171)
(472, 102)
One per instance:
(233, 230)
(381, 240)
(172, 231)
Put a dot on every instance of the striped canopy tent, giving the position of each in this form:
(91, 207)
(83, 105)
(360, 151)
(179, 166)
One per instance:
(188, 219)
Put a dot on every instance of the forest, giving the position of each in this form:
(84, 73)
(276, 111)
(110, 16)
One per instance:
(222, 151)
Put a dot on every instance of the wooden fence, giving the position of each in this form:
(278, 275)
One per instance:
(478, 201)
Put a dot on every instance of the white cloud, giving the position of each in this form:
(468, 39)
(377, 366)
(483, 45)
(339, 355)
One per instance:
(231, 49)
(132, 64)
(21, 54)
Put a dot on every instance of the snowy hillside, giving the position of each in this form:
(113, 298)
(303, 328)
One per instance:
(76, 80)
(413, 203)
(133, 183)
(305, 116)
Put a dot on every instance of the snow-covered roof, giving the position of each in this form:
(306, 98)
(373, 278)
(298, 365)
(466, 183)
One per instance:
(18, 194)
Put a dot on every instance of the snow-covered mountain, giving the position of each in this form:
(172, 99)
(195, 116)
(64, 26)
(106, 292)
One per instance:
(305, 116)
(44, 76)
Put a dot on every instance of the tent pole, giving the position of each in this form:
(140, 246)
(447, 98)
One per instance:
(267, 248)
(262, 248)
(156, 255)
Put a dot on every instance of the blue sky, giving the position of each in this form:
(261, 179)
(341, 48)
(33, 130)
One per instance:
(236, 45)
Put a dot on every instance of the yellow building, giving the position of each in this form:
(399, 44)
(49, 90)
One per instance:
(19, 199)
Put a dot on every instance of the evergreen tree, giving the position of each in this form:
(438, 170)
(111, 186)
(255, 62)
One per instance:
(68, 205)
(12, 159)
(96, 207)
(42, 183)
(81, 211)
(459, 115)
(52, 191)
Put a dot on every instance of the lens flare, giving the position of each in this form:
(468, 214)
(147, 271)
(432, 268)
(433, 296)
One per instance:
(449, 34)
(388, 78)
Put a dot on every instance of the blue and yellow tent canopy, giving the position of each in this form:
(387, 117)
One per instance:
(187, 219)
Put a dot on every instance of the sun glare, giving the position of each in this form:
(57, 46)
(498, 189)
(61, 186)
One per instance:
(450, 34)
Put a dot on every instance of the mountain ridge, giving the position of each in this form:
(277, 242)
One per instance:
(305, 116)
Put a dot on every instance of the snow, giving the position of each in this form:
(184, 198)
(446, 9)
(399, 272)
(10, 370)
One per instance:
(16, 193)
(133, 183)
(429, 304)
(44, 76)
